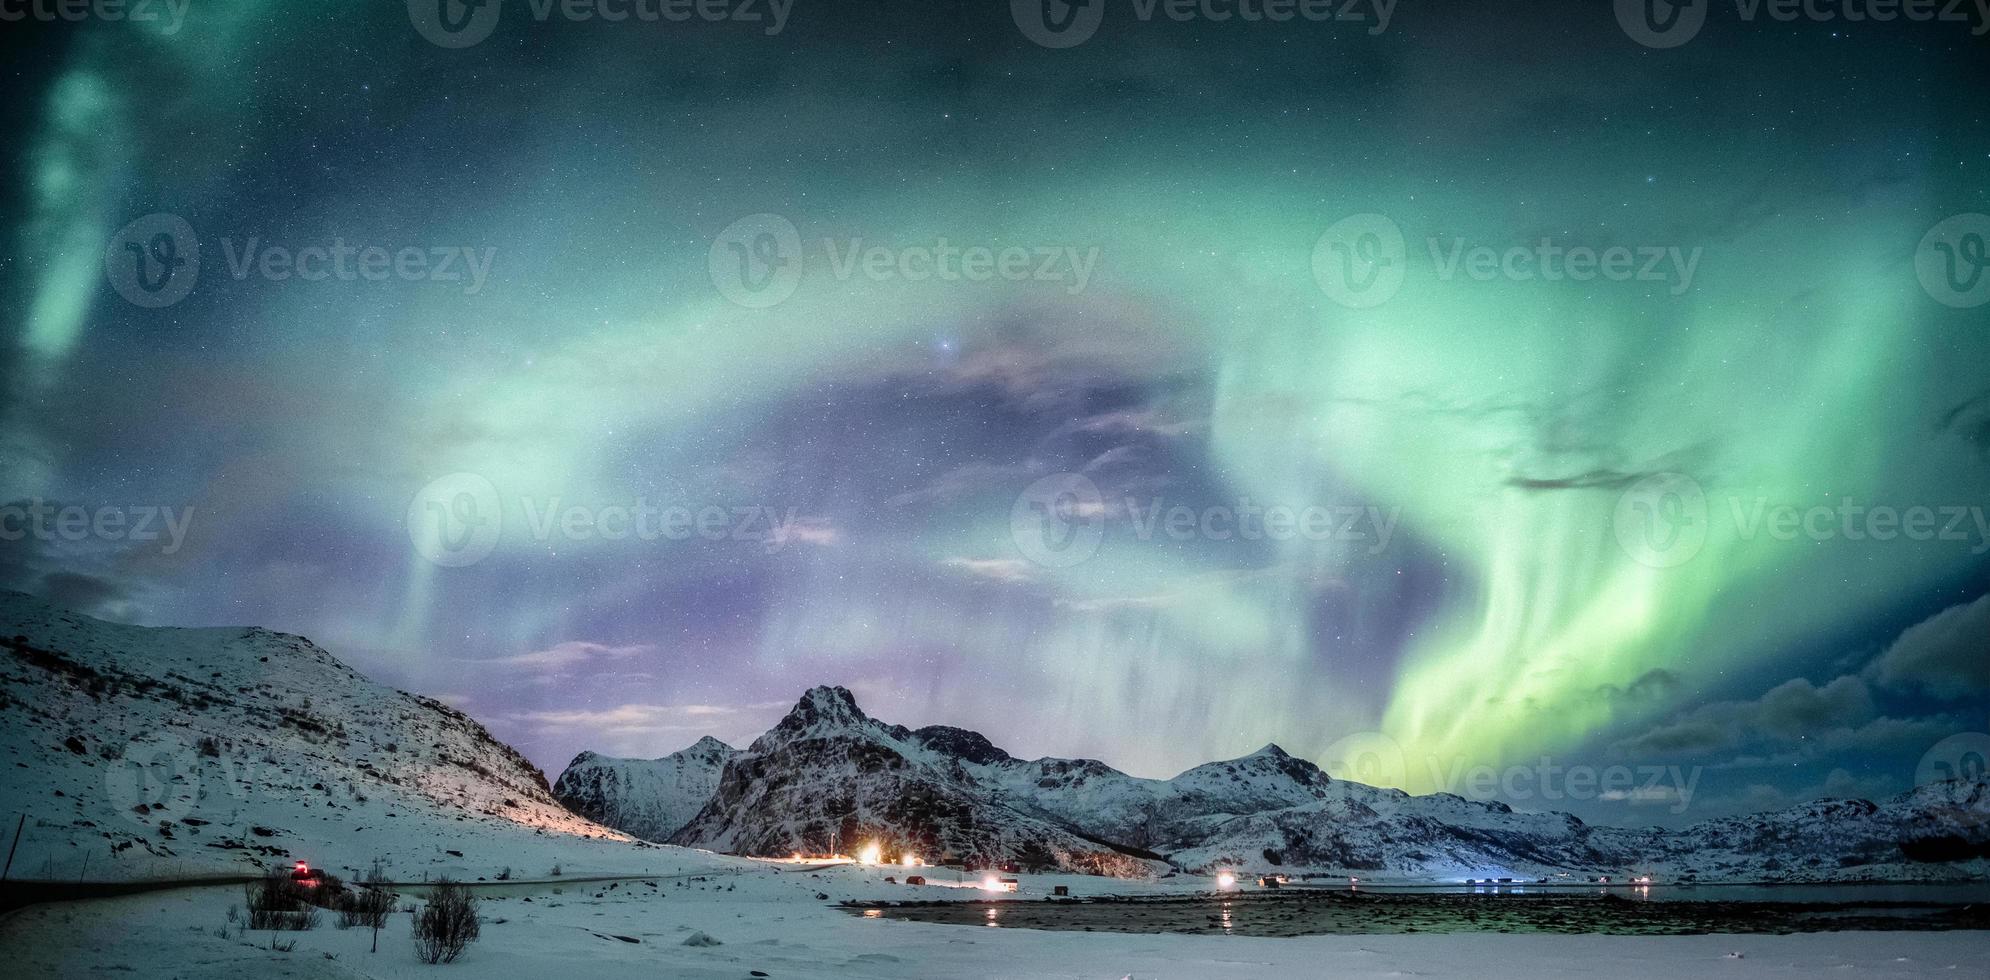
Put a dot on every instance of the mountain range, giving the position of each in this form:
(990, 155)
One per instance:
(135, 752)
(828, 777)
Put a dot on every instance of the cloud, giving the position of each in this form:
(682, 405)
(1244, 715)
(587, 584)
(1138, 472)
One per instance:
(1149, 421)
(86, 592)
(1946, 655)
(99, 579)
(1692, 737)
(804, 530)
(645, 730)
(998, 569)
(1796, 708)
(968, 480)
(1793, 710)
(1839, 784)
(572, 653)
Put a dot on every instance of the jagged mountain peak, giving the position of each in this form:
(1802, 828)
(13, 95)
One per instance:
(967, 746)
(709, 744)
(826, 703)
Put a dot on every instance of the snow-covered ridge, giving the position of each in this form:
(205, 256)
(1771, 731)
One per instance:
(161, 752)
(647, 798)
(828, 776)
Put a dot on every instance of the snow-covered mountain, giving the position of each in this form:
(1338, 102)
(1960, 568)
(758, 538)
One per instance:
(828, 776)
(647, 798)
(155, 752)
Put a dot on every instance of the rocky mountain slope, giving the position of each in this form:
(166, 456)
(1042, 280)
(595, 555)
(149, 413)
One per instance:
(828, 776)
(150, 752)
(647, 798)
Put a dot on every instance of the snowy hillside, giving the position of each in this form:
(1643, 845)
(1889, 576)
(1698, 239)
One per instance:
(647, 798)
(141, 752)
(828, 775)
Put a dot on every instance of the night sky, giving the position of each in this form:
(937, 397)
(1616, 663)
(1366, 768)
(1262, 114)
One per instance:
(905, 337)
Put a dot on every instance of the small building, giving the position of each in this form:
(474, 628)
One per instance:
(915, 879)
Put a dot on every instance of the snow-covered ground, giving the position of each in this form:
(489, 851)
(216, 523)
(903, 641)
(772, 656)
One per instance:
(769, 919)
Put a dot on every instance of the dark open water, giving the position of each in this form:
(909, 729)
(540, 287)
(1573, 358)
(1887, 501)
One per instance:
(1658, 910)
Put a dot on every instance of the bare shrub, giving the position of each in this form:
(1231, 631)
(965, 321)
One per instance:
(369, 905)
(276, 902)
(447, 925)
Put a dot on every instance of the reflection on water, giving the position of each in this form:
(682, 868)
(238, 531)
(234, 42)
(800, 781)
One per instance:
(1657, 910)
(1950, 892)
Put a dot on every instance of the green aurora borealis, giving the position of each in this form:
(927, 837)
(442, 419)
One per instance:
(1502, 422)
